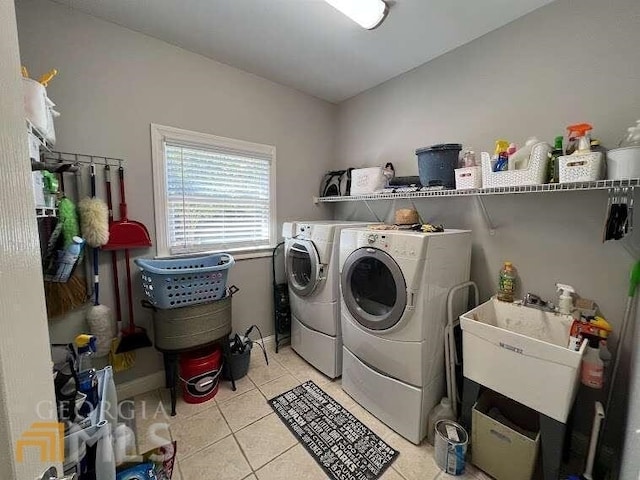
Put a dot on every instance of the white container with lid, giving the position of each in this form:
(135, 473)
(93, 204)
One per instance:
(623, 163)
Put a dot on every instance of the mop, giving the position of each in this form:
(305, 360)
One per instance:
(94, 223)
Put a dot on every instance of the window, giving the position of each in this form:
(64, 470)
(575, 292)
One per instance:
(212, 193)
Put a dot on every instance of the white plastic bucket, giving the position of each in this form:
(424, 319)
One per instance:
(623, 163)
(450, 445)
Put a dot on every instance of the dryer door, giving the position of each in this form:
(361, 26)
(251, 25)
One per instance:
(303, 267)
(373, 288)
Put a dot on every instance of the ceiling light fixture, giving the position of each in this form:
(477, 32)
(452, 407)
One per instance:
(366, 13)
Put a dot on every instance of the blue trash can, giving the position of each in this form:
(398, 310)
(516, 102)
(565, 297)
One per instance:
(436, 164)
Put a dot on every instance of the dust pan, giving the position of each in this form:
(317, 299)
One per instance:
(125, 233)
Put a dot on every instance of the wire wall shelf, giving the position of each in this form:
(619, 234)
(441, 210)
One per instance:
(548, 187)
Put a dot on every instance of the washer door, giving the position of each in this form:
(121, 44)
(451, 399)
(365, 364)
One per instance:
(303, 267)
(373, 288)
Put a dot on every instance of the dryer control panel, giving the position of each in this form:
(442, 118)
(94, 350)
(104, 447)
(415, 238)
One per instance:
(315, 232)
(393, 243)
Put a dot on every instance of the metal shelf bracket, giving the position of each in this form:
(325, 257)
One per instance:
(485, 214)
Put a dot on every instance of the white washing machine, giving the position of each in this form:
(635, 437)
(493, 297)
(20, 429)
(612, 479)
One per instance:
(311, 262)
(394, 287)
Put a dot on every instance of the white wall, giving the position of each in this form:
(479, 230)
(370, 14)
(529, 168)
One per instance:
(114, 82)
(568, 62)
(25, 360)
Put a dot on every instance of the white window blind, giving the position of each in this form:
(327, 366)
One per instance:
(217, 198)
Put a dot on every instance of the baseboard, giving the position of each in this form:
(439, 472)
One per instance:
(156, 380)
(140, 385)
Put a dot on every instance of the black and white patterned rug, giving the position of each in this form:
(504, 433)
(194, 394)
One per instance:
(344, 447)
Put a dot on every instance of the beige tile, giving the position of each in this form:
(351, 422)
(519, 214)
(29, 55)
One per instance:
(466, 476)
(415, 462)
(148, 407)
(265, 373)
(250, 477)
(335, 391)
(183, 409)
(152, 434)
(257, 357)
(225, 393)
(279, 385)
(176, 471)
(198, 431)
(223, 461)
(295, 463)
(245, 409)
(264, 440)
(370, 421)
(391, 474)
(303, 371)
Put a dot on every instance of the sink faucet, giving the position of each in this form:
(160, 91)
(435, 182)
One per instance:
(534, 301)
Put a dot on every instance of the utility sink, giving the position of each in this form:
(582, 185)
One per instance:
(521, 352)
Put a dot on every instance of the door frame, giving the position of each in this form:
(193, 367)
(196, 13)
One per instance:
(26, 382)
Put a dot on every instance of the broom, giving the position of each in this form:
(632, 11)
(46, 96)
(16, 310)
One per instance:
(94, 222)
(63, 297)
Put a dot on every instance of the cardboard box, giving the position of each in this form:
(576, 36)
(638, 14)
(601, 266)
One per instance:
(504, 451)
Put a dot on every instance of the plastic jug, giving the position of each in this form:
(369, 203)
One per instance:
(442, 411)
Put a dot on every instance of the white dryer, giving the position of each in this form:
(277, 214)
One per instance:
(394, 287)
(311, 262)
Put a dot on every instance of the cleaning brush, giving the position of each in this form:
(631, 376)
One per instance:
(94, 221)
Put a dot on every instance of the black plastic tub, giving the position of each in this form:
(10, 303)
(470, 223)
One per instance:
(436, 164)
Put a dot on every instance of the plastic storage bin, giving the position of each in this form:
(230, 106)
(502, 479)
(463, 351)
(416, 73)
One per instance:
(436, 164)
(535, 174)
(499, 449)
(468, 177)
(367, 180)
(587, 167)
(181, 282)
(521, 352)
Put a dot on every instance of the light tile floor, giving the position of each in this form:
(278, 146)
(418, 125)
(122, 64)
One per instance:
(237, 436)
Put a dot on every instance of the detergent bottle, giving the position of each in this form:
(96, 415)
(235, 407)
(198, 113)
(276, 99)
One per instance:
(592, 374)
(500, 156)
(507, 282)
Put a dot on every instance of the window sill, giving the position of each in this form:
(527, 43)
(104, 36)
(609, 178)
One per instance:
(239, 254)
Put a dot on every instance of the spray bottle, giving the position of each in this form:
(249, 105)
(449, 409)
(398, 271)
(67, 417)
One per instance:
(580, 132)
(87, 377)
(565, 302)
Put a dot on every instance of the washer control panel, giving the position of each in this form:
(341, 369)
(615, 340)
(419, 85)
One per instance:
(393, 243)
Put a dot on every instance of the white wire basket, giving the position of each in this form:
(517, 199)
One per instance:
(468, 177)
(534, 174)
(587, 167)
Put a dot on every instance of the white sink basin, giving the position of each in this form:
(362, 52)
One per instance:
(521, 352)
